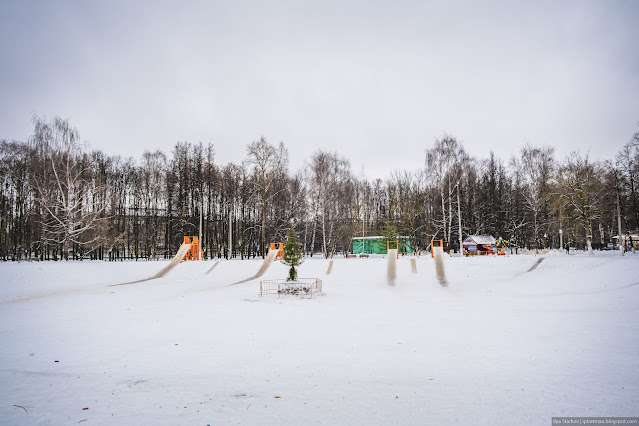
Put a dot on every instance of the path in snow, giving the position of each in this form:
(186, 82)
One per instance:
(532, 268)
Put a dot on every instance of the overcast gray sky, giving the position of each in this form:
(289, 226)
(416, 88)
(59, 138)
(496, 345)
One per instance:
(376, 81)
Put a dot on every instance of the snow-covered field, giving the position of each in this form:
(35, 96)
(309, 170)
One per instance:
(498, 345)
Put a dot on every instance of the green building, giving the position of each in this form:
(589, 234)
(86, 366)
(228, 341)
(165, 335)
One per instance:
(377, 245)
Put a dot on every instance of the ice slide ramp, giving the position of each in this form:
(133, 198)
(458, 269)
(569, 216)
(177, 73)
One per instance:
(391, 268)
(184, 248)
(438, 254)
(270, 257)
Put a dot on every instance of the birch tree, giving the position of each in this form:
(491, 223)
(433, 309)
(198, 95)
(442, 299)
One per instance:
(331, 190)
(267, 161)
(63, 187)
(444, 164)
(536, 167)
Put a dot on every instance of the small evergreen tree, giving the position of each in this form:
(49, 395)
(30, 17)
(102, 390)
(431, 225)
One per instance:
(389, 232)
(293, 255)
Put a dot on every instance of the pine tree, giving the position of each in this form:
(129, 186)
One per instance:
(293, 255)
(389, 232)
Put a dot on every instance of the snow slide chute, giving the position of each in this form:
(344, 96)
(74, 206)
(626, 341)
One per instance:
(391, 269)
(438, 254)
(270, 257)
(184, 248)
(330, 267)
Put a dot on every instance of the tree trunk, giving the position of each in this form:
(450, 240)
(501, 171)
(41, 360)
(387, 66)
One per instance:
(263, 237)
(633, 195)
(313, 235)
(443, 212)
(324, 235)
(450, 217)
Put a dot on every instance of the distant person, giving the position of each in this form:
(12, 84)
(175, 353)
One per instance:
(567, 248)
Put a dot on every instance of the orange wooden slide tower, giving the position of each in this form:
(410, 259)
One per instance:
(195, 252)
(280, 250)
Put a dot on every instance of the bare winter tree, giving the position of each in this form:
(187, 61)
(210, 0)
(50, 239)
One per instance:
(406, 203)
(55, 198)
(627, 162)
(18, 236)
(267, 162)
(63, 186)
(579, 190)
(331, 189)
(153, 198)
(537, 166)
(444, 164)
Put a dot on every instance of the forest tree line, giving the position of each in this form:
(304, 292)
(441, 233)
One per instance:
(60, 200)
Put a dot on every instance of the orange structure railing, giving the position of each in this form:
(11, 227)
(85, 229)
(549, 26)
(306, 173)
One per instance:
(432, 246)
(280, 250)
(195, 252)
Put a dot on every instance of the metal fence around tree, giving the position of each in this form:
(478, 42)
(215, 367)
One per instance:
(299, 287)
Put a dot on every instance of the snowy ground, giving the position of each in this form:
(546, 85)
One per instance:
(498, 345)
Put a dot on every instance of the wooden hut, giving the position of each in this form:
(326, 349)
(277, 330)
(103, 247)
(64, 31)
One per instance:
(479, 244)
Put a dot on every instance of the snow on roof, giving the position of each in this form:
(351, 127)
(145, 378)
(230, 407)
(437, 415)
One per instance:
(633, 235)
(481, 239)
